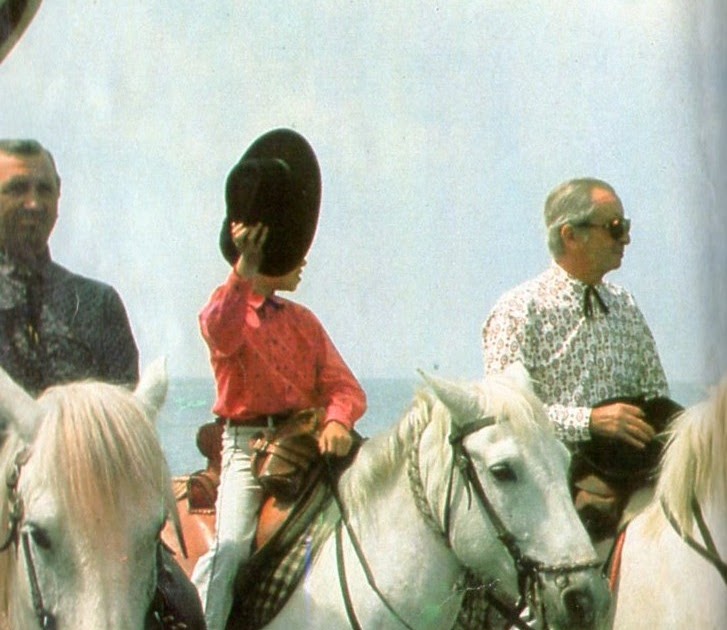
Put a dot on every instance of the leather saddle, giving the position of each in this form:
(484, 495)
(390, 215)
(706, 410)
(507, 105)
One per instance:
(605, 471)
(288, 465)
(202, 484)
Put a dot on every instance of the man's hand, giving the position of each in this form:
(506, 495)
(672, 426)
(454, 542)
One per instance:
(248, 241)
(335, 439)
(623, 422)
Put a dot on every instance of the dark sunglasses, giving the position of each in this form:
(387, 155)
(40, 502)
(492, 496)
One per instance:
(616, 227)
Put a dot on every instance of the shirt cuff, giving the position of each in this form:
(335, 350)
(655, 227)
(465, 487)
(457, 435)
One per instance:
(571, 423)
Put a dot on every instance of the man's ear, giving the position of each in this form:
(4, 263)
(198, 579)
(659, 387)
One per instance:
(568, 236)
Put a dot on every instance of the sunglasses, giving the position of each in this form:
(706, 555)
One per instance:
(616, 227)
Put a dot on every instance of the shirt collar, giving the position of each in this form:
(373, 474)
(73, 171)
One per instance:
(586, 293)
(260, 302)
(13, 267)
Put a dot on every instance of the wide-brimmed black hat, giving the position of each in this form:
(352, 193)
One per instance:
(616, 460)
(15, 15)
(277, 182)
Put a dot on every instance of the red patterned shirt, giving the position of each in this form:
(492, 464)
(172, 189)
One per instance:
(273, 356)
(575, 360)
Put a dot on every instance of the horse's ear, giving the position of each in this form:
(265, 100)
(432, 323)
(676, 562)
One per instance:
(519, 374)
(461, 402)
(152, 387)
(18, 408)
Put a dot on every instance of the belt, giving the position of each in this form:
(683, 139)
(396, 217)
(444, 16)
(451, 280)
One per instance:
(261, 422)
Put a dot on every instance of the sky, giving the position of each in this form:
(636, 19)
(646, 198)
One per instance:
(440, 128)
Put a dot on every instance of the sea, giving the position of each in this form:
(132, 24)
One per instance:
(190, 400)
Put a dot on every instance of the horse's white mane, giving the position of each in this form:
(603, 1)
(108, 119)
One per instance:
(96, 445)
(119, 448)
(505, 398)
(694, 463)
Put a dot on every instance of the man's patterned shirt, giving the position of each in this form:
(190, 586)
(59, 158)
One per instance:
(575, 361)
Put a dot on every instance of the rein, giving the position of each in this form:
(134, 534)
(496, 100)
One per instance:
(709, 550)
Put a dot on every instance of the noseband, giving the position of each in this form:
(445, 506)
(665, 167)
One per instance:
(45, 618)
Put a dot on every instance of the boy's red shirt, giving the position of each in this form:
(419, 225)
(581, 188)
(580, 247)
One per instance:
(272, 356)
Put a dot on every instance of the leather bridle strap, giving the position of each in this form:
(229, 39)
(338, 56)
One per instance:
(709, 550)
(46, 619)
(528, 569)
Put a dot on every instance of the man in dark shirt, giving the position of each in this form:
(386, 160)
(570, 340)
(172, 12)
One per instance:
(55, 326)
(58, 327)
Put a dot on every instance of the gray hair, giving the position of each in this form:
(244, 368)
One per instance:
(27, 147)
(570, 204)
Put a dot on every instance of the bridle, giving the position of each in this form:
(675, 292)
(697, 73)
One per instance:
(156, 616)
(529, 570)
(708, 550)
(44, 617)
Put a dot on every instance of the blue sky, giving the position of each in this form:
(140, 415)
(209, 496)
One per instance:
(439, 127)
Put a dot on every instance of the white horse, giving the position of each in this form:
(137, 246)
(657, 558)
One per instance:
(672, 570)
(84, 493)
(471, 481)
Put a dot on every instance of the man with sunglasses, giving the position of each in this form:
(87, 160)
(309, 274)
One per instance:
(582, 339)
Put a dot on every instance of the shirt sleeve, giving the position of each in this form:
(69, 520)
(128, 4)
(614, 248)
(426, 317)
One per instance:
(222, 319)
(120, 353)
(505, 340)
(653, 377)
(344, 398)
(571, 424)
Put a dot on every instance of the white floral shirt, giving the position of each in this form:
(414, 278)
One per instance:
(575, 360)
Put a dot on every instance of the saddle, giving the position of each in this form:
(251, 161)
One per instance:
(202, 484)
(283, 457)
(294, 518)
(605, 471)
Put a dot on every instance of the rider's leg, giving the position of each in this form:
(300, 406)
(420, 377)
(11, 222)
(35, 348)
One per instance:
(238, 501)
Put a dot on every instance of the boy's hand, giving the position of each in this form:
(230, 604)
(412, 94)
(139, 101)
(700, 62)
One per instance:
(248, 241)
(335, 439)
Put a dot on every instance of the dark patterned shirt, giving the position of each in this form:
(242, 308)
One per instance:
(58, 327)
(574, 360)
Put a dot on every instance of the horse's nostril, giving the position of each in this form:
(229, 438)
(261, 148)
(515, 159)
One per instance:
(579, 604)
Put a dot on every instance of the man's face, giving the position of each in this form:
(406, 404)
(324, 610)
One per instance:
(29, 193)
(604, 253)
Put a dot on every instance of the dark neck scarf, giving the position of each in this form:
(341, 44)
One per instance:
(30, 275)
(589, 296)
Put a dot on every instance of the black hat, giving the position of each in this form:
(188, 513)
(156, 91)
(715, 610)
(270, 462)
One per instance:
(277, 182)
(616, 460)
(15, 15)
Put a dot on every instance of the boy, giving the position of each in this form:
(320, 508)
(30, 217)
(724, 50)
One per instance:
(271, 358)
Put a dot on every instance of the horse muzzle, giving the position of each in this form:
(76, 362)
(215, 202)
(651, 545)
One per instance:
(577, 600)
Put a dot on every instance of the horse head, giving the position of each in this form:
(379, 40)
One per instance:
(508, 491)
(88, 494)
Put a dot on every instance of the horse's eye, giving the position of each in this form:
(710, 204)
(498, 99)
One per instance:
(503, 472)
(40, 537)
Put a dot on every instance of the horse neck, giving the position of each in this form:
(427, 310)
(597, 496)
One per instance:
(387, 509)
